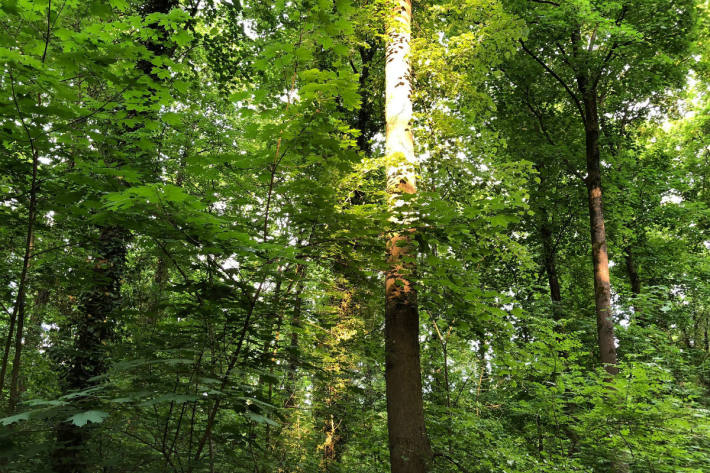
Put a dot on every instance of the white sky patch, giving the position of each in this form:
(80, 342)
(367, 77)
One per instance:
(250, 28)
(220, 205)
(671, 198)
(230, 263)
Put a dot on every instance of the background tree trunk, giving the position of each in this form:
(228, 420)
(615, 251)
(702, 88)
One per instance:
(550, 261)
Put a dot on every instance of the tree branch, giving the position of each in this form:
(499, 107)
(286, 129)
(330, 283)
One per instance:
(546, 2)
(572, 95)
(450, 459)
(612, 50)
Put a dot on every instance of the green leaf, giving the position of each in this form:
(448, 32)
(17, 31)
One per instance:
(15, 418)
(82, 418)
(259, 419)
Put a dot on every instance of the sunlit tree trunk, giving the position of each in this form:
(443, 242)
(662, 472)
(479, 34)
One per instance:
(410, 451)
(600, 257)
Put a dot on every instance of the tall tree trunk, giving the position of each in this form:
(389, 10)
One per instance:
(635, 282)
(18, 311)
(95, 327)
(33, 334)
(93, 331)
(363, 120)
(333, 398)
(600, 257)
(21, 297)
(8, 345)
(410, 451)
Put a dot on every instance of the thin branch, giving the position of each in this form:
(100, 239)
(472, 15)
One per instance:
(546, 2)
(593, 38)
(450, 459)
(612, 49)
(544, 131)
(564, 56)
(92, 113)
(540, 122)
(572, 95)
(49, 24)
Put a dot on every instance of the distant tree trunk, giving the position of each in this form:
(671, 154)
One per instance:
(93, 331)
(41, 300)
(549, 261)
(410, 451)
(444, 340)
(19, 308)
(271, 336)
(635, 282)
(363, 121)
(6, 351)
(331, 411)
(600, 257)
(632, 271)
(545, 226)
(292, 358)
(33, 334)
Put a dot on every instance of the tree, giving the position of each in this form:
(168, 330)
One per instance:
(605, 55)
(213, 182)
(409, 446)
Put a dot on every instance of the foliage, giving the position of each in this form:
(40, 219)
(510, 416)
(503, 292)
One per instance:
(202, 243)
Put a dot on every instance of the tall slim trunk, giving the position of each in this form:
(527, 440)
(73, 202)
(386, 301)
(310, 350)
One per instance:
(600, 257)
(444, 340)
(21, 299)
(331, 388)
(292, 358)
(33, 333)
(271, 336)
(18, 311)
(550, 261)
(363, 120)
(410, 451)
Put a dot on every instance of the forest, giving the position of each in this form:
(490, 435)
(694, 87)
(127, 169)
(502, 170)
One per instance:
(355, 236)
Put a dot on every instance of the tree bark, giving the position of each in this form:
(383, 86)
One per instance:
(549, 260)
(96, 325)
(21, 297)
(600, 257)
(292, 358)
(635, 282)
(363, 121)
(631, 269)
(18, 311)
(93, 330)
(410, 451)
